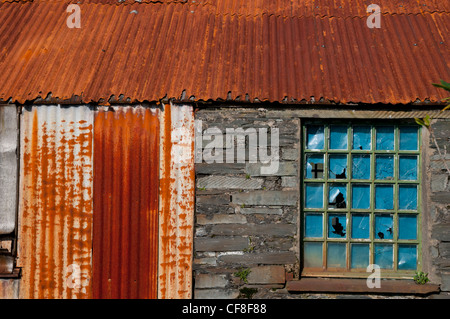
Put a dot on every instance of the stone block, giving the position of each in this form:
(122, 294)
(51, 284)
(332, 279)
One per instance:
(226, 182)
(221, 219)
(274, 230)
(261, 210)
(265, 198)
(267, 275)
(268, 258)
(284, 169)
(221, 244)
(289, 181)
(210, 281)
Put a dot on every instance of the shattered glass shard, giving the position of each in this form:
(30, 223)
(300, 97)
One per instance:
(385, 138)
(408, 168)
(337, 225)
(337, 196)
(338, 137)
(384, 167)
(384, 256)
(338, 167)
(360, 196)
(407, 257)
(360, 226)
(314, 166)
(361, 166)
(315, 137)
(407, 197)
(384, 226)
(361, 138)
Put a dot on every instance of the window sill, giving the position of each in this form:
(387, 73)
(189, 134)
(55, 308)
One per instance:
(340, 285)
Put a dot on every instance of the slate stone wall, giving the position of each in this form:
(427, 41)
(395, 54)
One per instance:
(245, 219)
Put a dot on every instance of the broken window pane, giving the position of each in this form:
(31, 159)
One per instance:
(408, 138)
(360, 196)
(408, 168)
(360, 255)
(338, 167)
(361, 137)
(313, 255)
(361, 166)
(336, 255)
(315, 137)
(338, 137)
(314, 225)
(384, 226)
(407, 226)
(337, 226)
(384, 167)
(407, 197)
(384, 197)
(314, 195)
(407, 257)
(360, 226)
(337, 196)
(385, 138)
(384, 256)
(314, 166)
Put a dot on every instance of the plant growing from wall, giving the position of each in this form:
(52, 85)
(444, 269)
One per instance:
(421, 278)
(426, 122)
(243, 273)
(247, 292)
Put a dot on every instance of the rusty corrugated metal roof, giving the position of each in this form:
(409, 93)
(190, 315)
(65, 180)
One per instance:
(140, 52)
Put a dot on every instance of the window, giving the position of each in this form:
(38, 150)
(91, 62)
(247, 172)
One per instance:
(360, 199)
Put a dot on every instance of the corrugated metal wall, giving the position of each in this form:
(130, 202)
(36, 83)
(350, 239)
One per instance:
(176, 202)
(106, 203)
(126, 170)
(55, 211)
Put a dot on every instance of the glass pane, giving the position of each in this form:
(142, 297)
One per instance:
(407, 226)
(338, 137)
(384, 256)
(384, 197)
(384, 227)
(313, 195)
(313, 255)
(407, 197)
(314, 166)
(361, 138)
(360, 196)
(336, 255)
(338, 167)
(384, 167)
(360, 226)
(361, 166)
(360, 255)
(337, 196)
(315, 137)
(313, 225)
(408, 168)
(407, 257)
(385, 138)
(337, 225)
(408, 138)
